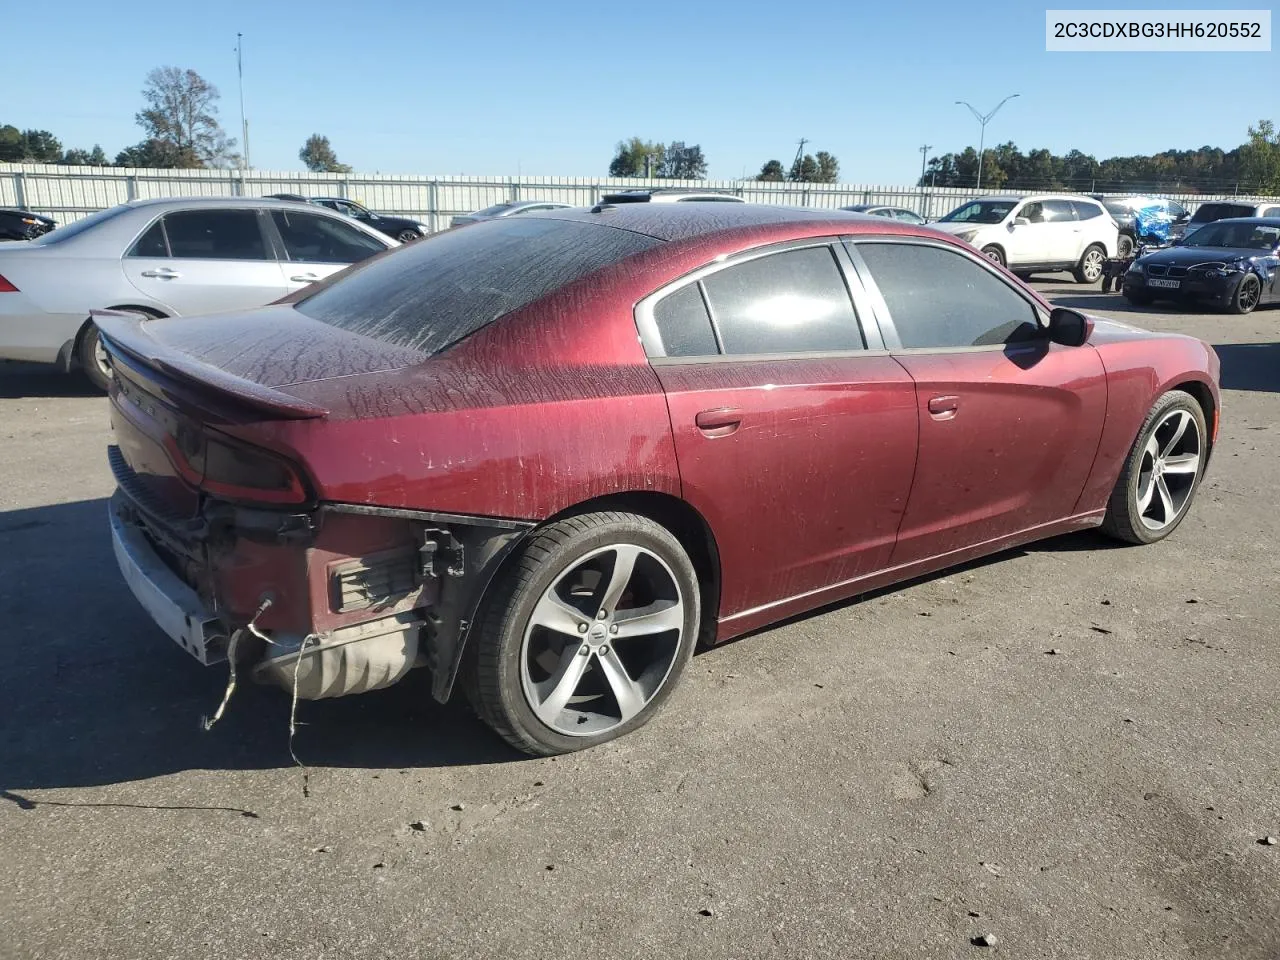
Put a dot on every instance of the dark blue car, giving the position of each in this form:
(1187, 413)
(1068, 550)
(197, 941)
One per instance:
(1231, 264)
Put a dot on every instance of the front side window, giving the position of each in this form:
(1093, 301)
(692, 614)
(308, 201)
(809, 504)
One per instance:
(315, 239)
(215, 235)
(938, 298)
(1033, 212)
(793, 301)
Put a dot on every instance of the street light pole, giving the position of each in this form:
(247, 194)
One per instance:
(244, 124)
(983, 119)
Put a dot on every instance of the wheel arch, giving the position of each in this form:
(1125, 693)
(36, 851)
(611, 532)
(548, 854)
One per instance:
(687, 525)
(452, 645)
(1203, 395)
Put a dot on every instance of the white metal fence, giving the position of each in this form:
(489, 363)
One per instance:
(69, 193)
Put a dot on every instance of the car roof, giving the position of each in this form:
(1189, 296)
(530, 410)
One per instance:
(1262, 221)
(1015, 197)
(266, 202)
(690, 221)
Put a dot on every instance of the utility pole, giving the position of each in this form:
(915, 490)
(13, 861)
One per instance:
(984, 119)
(244, 124)
(924, 154)
(795, 164)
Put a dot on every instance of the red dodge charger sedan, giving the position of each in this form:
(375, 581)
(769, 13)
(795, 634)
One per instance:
(547, 456)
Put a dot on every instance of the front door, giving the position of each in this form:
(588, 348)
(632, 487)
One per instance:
(205, 261)
(794, 442)
(1009, 423)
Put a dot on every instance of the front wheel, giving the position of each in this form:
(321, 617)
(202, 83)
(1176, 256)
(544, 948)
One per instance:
(408, 236)
(1248, 293)
(585, 633)
(994, 253)
(1160, 476)
(1089, 269)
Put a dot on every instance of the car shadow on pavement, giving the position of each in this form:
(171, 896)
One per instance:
(18, 380)
(1249, 366)
(1094, 299)
(94, 693)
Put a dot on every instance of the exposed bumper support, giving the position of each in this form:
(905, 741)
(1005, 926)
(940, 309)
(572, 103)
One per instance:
(173, 605)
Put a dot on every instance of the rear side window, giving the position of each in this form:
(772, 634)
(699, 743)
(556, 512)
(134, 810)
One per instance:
(938, 298)
(794, 301)
(152, 243)
(315, 239)
(684, 325)
(1085, 210)
(215, 235)
(432, 293)
(1056, 210)
(1270, 212)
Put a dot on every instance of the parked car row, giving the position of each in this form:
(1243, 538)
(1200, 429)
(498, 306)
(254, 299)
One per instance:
(164, 258)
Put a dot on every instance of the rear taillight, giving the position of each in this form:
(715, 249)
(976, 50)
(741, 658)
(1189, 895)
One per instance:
(6, 286)
(236, 471)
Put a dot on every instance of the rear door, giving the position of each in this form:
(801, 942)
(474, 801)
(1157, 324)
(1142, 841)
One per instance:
(1009, 423)
(316, 245)
(1065, 232)
(795, 432)
(206, 261)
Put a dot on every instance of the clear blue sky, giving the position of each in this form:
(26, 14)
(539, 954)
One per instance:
(550, 87)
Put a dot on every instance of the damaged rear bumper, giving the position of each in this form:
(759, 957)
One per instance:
(173, 605)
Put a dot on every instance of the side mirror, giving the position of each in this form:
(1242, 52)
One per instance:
(1177, 241)
(1069, 327)
(1020, 222)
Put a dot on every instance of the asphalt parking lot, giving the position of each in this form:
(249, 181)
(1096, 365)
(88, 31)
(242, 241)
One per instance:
(1073, 748)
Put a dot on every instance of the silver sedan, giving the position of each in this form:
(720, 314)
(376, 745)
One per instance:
(164, 258)
(513, 209)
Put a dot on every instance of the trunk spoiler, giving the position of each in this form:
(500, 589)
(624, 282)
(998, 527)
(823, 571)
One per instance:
(125, 334)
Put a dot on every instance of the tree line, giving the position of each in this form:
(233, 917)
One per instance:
(1251, 168)
(677, 160)
(179, 120)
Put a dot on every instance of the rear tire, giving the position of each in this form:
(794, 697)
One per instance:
(1162, 473)
(1125, 247)
(93, 359)
(994, 253)
(1089, 269)
(552, 665)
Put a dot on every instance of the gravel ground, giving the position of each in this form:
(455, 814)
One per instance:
(887, 778)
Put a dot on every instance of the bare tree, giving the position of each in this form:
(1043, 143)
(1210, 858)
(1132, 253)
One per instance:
(181, 111)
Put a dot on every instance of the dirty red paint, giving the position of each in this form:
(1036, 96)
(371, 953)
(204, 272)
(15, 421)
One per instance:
(839, 474)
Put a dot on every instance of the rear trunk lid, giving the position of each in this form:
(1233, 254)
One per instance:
(181, 382)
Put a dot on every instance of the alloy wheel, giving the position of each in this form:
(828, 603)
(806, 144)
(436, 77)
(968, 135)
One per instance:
(1249, 295)
(1092, 265)
(1169, 469)
(100, 358)
(602, 640)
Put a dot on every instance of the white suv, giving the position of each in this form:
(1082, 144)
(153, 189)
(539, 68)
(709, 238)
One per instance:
(1037, 233)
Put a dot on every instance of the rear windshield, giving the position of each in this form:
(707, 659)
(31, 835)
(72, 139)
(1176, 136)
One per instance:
(79, 226)
(493, 211)
(1208, 212)
(430, 294)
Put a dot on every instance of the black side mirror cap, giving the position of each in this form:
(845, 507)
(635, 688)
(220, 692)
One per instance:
(1069, 327)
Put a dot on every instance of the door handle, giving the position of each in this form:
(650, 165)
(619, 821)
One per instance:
(943, 408)
(164, 273)
(719, 422)
(304, 278)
